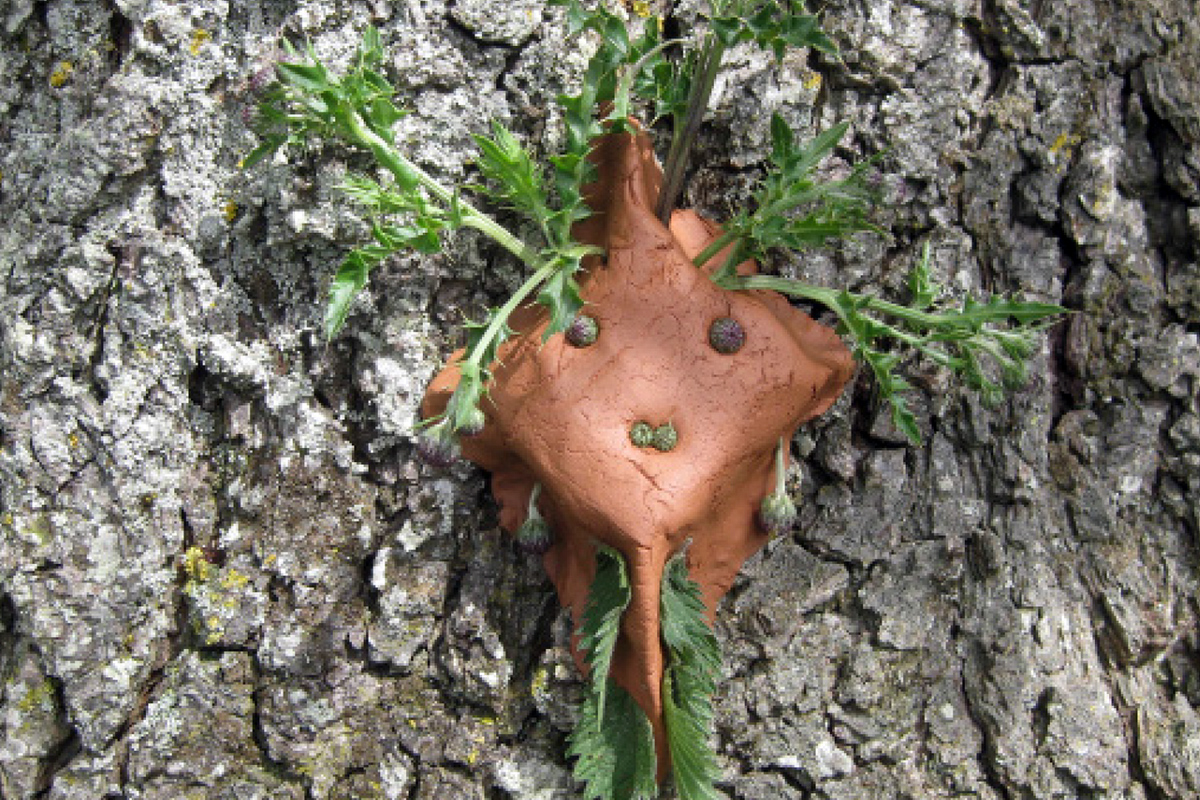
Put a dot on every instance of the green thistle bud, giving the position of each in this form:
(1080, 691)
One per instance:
(582, 331)
(777, 513)
(726, 335)
(641, 434)
(665, 438)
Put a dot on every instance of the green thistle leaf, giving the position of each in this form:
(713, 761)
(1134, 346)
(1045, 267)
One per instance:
(561, 295)
(350, 279)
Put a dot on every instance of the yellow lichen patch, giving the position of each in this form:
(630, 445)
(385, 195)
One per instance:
(40, 696)
(232, 579)
(73, 440)
(641, 8)
(812, 80)
(61, 74)
(230, 210)
(195, 565)
(1063, 147)
(1065, 141)
(200, 37)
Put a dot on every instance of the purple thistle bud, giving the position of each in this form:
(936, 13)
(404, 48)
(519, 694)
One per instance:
(535, 536)
(263, 77)
(726, 335)
(582, 331)
(777, 514)
(436, 446)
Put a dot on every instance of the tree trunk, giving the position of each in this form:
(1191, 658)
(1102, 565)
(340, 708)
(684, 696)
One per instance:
(223, 573)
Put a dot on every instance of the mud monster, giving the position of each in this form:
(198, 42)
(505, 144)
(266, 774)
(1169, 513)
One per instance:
(634, 396)
(560, 415)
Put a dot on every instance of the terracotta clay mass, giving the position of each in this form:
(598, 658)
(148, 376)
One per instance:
(561, 415)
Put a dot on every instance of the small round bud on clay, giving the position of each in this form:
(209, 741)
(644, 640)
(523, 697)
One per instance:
(726, 335)
(582, 331)
(777, 514)
(436, 445)
(473, 424)
(641, 434)
(665, 438)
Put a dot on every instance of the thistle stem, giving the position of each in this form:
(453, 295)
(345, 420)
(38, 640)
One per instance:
(714, 247)
(533, 512)
(501, 317)
(829, 298)
(405, 170)
(697, 105)
(780, 470)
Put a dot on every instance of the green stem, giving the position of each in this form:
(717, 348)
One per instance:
(697, 105)
(501, 317)
(729, 268)
(829, 298)
(532, 511)
(780, 470)
(405, 170)
(714, 247)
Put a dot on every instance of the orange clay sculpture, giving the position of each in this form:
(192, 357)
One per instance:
(660, 431)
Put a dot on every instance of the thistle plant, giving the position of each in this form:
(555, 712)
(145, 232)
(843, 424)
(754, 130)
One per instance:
(987, 342)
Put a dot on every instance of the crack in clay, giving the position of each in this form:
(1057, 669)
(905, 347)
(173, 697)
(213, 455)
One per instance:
(560, 416)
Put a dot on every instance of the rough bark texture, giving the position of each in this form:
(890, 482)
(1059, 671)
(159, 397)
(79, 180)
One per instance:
(222, 573)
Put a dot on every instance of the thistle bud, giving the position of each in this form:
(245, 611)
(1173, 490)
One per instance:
(777, 514)
(726, 335)
(582, 331)
(665, 438)
(641, 434)
(535, 536)
(472, 423)
(436, 445)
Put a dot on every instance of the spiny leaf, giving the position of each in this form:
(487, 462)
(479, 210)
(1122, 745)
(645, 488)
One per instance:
(614, 746)
(476, 331)
(350, 279)
(265, 149)
(920, 284)
(307, 77)
(513, 172)
(560, 294)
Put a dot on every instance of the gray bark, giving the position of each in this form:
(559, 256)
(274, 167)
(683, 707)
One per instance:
(1008, 611)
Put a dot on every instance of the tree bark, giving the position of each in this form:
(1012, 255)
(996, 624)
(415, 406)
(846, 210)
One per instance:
(224, 574)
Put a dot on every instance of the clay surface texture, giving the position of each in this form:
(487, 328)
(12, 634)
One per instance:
(560, 415)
